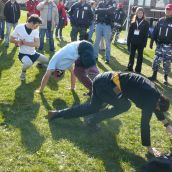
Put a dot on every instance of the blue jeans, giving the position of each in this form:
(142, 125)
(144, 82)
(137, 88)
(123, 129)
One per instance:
(50, 35)
(2, 26)
(91, 30)
(103, 30)
(8, 30)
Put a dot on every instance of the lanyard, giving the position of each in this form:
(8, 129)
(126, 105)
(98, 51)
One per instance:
(138, 24)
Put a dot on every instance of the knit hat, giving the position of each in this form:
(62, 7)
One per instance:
(86, 54)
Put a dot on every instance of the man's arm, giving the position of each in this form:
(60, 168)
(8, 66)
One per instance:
(44, 81)
(15, 41)
(73, 78)
(35, 44)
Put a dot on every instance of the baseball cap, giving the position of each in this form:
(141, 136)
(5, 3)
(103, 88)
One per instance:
(168, 6)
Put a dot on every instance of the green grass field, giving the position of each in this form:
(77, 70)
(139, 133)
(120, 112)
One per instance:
(29, 143)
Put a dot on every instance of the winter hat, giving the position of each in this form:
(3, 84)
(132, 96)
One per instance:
(86, 54)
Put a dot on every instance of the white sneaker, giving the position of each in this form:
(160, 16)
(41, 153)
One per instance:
(23, 76)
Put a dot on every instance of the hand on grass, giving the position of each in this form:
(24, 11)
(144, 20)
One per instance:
(153, 151)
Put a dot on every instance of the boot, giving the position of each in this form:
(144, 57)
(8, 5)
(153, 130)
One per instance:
(165, 81)
(154, 76)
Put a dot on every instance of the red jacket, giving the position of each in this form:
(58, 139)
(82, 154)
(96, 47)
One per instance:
(31, 7)
(62, 12)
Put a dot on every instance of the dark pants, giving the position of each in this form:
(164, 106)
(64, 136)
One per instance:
(102, 93)
(81, 30)
(133, 49)
(60, 28)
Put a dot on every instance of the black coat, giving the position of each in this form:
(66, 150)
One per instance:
(105, 12)
(81, 15)
(12, 12)
(141, 39)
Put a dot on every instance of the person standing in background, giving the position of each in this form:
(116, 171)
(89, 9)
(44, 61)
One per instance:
(62, 19)
(2, 19)
(50, 18)
(31, 7)
(137, 39)
(12, 15)
(81, 16)
(162, 35)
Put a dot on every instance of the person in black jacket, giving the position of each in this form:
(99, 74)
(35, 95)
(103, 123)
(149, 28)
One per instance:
(12, 15)
(162, 35)
(117, 89)
(81, 16)
(137, 39)
(104, 19)
(119, 17)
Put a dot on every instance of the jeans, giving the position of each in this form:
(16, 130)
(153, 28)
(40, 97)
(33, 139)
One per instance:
(2, 27)
(102, 93)
(8, 30)
(91, 30)
(50, 36)
(103, 30)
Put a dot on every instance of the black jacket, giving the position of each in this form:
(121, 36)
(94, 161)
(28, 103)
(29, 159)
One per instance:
(145, 95)
(162, 33)
(81, 14)
(105, 12)
(119, 16)
(12, 12)
(141, 39)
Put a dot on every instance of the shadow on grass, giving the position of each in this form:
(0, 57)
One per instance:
(122, 48)
(20, 115)
(61, 43)
(6, 60)
(100, 145)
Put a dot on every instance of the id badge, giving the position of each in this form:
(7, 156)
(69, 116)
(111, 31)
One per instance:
(136, 32)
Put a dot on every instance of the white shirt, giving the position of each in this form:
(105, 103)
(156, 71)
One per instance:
(65, 57)
(20, 34)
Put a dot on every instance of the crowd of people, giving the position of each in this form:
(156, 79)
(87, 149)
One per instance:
(106, 18)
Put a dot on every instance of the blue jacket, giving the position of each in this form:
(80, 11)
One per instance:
(162, 33)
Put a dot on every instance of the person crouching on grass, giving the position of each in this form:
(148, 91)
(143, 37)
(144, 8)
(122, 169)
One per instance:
(26, 36)
(79, 52)
(118, 89)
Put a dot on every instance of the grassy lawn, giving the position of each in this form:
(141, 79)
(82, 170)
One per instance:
(29, 143)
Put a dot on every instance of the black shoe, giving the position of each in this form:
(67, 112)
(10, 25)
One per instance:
(152, 78)
(107, 61)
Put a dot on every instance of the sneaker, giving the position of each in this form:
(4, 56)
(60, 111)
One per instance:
(23, 76)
